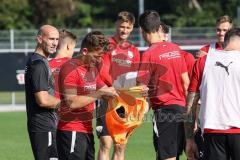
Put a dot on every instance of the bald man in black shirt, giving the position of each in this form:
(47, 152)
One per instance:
(40, 100)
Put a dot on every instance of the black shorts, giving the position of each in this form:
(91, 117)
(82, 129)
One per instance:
(101, 109)
(73, 145)
(222, 146)
(200, 144)
(43, 145)
(168, 131)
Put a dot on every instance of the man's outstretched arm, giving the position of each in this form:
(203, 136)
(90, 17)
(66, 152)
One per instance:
(192, 101)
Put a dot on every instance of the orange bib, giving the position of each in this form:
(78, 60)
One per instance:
(125, 113)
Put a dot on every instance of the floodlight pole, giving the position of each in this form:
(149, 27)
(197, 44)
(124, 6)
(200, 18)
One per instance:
(140, 11)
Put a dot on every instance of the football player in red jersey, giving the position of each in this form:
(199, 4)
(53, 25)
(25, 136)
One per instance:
(119, 70)
(189, 58)
(66, 44)
(164, 70)
(80, 86)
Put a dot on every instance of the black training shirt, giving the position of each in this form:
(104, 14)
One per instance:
(38, 77)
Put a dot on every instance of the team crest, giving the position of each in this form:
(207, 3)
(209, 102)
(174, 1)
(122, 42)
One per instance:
(130, 54)
(114, 53)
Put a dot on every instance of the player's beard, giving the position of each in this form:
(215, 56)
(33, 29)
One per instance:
(89, 60)
(96, 61)
(49, 50)
(52, 50)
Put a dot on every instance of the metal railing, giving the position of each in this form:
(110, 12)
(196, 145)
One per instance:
(25, 40)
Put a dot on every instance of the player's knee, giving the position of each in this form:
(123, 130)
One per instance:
(105, 148)
(120, 148)
(105, 145)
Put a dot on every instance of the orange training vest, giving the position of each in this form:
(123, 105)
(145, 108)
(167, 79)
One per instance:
(125, 113)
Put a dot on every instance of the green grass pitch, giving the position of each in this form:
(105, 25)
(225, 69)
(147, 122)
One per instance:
(15, 145)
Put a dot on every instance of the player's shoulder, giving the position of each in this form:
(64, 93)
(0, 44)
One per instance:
(171, 44)
(35, 57)
(201, 61)
(52, 61)
(163, 46)
(70, 67)
(55, 61)
(168, 45)
(112, 41)
(37, 60)
(187, 54)
(205, 48)
(72, 63)
(39, 66)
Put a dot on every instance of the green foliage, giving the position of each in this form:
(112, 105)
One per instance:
(14, 14)
(104, 12)
(53, 12)
(81, 16)
(22, 14)
(15, 144)
(185, 16)
(192, 17)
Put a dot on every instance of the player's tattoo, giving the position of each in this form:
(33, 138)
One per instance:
(192, 100)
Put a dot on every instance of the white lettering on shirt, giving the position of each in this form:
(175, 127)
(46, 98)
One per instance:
(121, 62)
(170, 55)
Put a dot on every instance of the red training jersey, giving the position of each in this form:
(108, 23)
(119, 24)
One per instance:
(190, 60)
(122, 58)
(55, 65)
(75, 76)
(194, 87)
(206, 48)
(161, 69)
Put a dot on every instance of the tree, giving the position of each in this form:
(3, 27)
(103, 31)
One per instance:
(104, 12)
(13, 15)
(21, 14)
(81, 16)
(53, 12)
(190, 13)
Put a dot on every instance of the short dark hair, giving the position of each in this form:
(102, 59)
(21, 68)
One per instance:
(235, 32)
(94, 41)
(149, 21)
(65, 36)
(125, 16)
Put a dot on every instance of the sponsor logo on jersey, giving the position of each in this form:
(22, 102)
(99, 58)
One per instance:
(220, 64)
(170, 55)
(130, 54)
(90, 88)
(56, 70)
(121, 62)
(114, 53)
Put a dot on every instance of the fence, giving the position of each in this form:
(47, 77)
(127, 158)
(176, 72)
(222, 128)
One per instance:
(24, 40)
